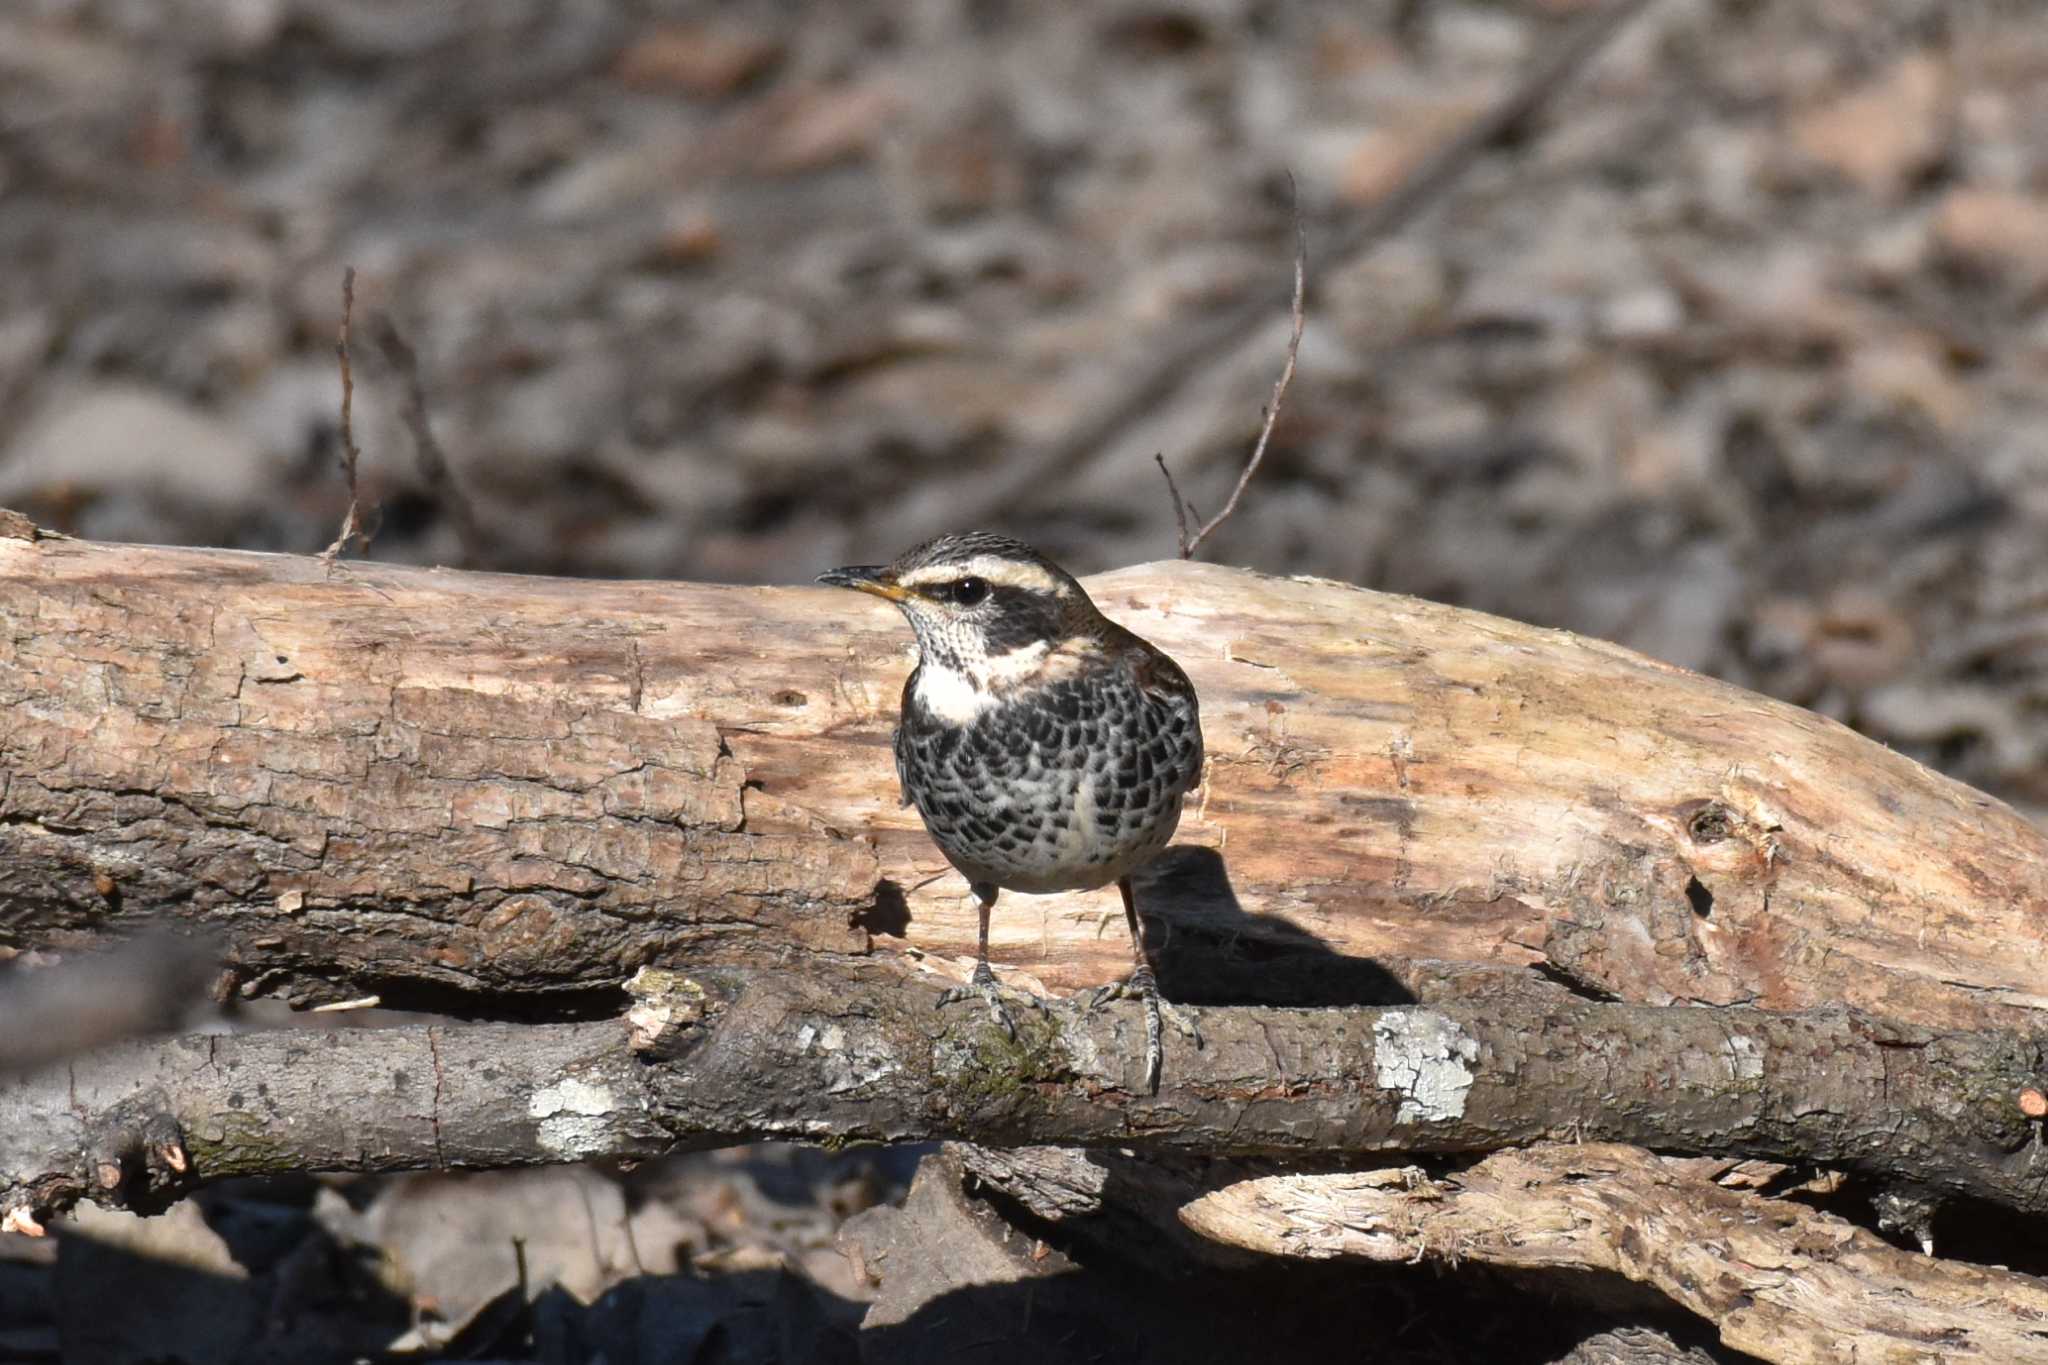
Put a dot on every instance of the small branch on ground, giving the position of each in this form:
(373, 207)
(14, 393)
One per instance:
(857, 1052)
(433, 459)
(1189, 544)
(351, 526)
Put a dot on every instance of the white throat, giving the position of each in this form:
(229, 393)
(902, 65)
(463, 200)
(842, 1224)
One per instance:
(950, 695)
(959, 695)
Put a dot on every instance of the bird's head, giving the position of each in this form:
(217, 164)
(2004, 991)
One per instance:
(977, 600)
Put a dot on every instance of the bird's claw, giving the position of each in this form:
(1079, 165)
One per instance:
(1141, 986)
(983, 986)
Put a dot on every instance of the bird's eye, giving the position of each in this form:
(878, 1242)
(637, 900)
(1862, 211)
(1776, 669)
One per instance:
(967, 591)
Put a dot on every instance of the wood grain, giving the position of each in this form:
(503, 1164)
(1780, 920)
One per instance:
(388, 778)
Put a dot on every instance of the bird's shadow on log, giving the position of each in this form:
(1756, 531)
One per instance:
(1207, 949)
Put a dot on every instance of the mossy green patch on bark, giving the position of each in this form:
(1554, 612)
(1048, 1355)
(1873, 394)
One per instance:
(984, 1067)
(239, 1143)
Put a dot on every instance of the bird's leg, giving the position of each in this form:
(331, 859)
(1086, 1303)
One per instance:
(982, 984)
(1142, 985)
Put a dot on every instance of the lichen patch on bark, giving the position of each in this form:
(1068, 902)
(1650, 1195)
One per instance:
(575, 1118)
(1424, 1057)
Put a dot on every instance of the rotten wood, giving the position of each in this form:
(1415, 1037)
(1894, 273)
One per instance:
(856, 1052)
(406, 782)
(1781, 1281)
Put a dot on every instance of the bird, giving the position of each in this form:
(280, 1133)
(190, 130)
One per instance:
(1046, 747)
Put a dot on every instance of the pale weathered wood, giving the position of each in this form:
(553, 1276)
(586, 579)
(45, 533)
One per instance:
(1782, 1281)
(386, 778)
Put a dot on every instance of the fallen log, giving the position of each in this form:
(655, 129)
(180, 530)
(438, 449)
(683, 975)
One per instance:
(1783, 1282)
(501, 791)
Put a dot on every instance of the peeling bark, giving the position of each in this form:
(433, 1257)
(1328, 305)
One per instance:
(375, 779)
(1781, 1281)
(860, 1055)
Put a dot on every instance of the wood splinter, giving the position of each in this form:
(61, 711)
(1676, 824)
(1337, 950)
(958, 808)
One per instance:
(20, 1220)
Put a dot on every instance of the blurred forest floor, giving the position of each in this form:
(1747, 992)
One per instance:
(1735, 354)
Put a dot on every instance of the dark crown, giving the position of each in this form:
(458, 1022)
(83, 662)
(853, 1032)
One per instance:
(960, 546)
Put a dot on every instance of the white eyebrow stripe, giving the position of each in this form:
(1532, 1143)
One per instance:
(1010, 573)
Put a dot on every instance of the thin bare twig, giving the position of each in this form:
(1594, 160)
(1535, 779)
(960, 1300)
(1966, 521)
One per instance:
(351, 527)
(433, 460)
(1189, 544)
(1187, 360)
(1182, 508)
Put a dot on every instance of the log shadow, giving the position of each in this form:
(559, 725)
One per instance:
(746, 1317)
(1292, 1311)
(240, 1272)
(1104, 1289)
(968, 1272)
(1207, 949)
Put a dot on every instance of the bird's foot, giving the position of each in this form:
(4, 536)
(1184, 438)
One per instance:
(1141, 985)
(983, 986)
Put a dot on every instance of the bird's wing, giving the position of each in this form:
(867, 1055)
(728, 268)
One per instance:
(901, 739)
(1163, 684)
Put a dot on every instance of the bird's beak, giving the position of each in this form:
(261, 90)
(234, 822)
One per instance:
(870, 578)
